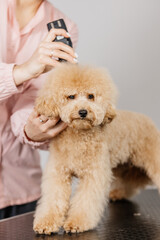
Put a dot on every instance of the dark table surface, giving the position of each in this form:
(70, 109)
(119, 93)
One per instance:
(137, 219)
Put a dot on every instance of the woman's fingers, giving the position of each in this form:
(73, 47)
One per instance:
(50, 52)
(39, 128)
(50, 127)
(48, 61)
(57, 129)
(51, 46)
(60, 54)
(51, 57)
(51, 123)
(56, 32)
(43, 119)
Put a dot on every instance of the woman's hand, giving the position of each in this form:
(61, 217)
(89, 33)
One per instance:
(39, 128)
(45, 57)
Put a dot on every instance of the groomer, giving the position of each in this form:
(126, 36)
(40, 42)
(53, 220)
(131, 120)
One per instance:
(26, 55)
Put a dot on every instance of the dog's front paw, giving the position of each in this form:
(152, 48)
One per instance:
(45, 225)
(77, 224)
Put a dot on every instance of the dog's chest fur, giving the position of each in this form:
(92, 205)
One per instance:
(79, 151)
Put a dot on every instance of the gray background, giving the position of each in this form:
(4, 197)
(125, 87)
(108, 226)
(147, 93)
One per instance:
(124, 37)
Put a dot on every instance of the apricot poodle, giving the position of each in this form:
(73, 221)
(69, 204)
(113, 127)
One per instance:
(112, 152)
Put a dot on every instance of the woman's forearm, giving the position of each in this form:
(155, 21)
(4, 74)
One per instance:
(20, 74)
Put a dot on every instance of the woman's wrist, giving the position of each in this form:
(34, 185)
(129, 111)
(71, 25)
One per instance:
(21, 74)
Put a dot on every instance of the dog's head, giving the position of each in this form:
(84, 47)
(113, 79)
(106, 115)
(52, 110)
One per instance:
(81, 96)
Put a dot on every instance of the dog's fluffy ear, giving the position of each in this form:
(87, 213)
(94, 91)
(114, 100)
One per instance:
(110, 114)
(46, 105)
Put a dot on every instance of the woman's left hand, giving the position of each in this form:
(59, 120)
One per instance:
(40, 128)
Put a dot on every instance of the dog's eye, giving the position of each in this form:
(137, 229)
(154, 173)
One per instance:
(71, 97)
(90, 96)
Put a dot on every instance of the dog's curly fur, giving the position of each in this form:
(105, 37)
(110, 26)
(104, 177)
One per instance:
(111, 158)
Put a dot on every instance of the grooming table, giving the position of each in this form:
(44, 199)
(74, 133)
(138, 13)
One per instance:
(138, 219)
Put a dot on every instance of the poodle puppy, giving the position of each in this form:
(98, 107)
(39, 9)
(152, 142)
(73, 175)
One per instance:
(112, 159)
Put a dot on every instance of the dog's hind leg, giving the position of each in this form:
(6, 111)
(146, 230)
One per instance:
(142, 168)
(52, 207)
(152, 165)
(127, 181)
(148, 157)
(87, 205)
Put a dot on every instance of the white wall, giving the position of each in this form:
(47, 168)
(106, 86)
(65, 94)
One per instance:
(123, 36)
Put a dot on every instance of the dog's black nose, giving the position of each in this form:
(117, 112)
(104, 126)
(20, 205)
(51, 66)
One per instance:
(83, 113)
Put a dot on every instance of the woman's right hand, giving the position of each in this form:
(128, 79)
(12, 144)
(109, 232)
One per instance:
(45, 56)
(40, 128)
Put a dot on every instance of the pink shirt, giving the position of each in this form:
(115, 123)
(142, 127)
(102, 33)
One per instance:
(20, 172)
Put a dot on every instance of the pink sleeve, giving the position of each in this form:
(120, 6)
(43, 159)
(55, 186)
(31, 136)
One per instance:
(7, 84)
(21, 111)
